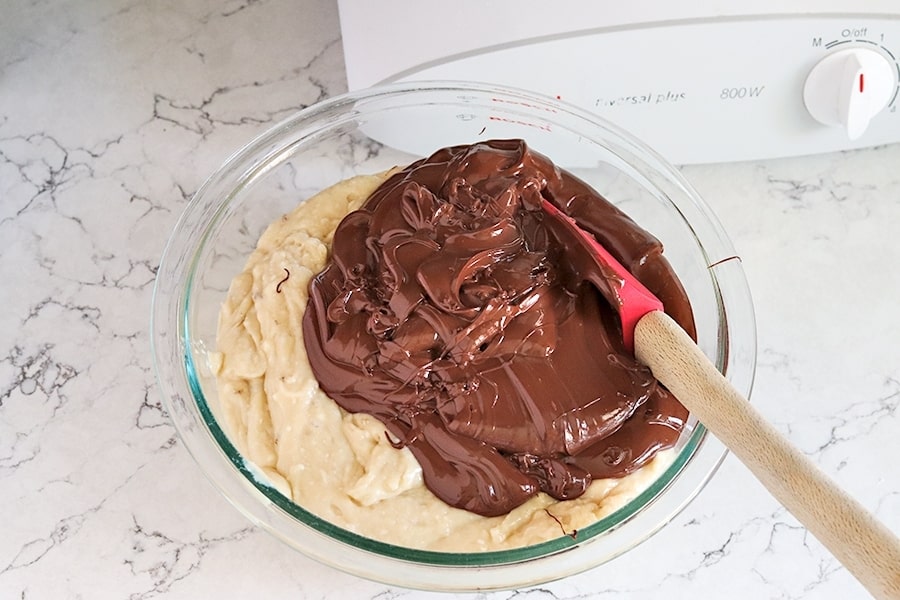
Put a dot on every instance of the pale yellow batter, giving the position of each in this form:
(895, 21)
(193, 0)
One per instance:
(338, 465)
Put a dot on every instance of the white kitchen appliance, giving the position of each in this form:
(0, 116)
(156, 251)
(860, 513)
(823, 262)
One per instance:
(699, 82)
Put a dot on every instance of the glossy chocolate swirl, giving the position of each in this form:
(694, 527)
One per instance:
(454, 315)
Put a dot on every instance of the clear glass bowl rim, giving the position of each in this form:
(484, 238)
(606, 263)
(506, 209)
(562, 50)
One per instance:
(171, 298)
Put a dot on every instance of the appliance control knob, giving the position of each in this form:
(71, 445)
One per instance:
(848, 88)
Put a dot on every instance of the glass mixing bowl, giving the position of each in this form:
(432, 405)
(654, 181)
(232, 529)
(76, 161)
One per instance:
(367, 132)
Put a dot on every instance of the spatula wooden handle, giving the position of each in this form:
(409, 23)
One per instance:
(861, 543)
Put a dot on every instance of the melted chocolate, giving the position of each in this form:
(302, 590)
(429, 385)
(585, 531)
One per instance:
(452, 313)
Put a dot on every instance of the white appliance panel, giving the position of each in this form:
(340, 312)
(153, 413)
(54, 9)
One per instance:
(701, 90)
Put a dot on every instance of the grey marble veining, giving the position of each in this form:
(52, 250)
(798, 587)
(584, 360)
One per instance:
(112, 113)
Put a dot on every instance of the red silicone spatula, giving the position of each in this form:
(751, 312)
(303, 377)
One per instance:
(863, 545)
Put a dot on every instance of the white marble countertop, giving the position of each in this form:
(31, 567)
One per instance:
(111, 115)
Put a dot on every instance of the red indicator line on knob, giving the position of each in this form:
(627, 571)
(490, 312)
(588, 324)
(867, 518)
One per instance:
(861, 83)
